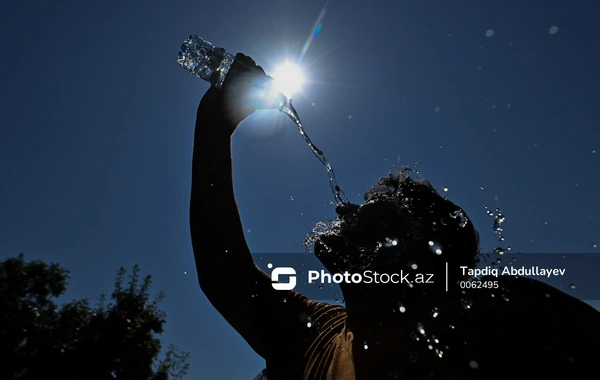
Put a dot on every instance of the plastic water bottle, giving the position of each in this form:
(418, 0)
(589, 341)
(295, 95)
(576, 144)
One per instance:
(218, 67)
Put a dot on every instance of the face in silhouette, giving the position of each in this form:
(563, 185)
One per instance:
(403, 224)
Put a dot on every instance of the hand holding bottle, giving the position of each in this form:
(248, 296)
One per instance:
(246, 89)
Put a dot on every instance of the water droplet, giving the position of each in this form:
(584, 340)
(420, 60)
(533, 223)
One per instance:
(505, 298)
(438, 251)
(553, 30)
(430, 347)
(466, 303)
(499, 251)
(437, 109)
(498, 220)
(390, 242)
(594, 245)
(284, 300)
(413, 266)
(431, 243)
(452, 327)
(508, 105)
(435, 312)
(320, 286)
(269, 265)
(474, 364)
(547, 295)
(445, 189)
(401, 308)
(349, 116)
(184, 272)
(489, 33)
(366, 346)
(572, 286)
(308, 324)
(291, 197)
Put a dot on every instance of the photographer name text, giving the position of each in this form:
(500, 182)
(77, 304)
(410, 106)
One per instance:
(535, 270)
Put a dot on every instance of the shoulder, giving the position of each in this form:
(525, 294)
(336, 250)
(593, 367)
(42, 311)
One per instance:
(532, 325)
(528, 298)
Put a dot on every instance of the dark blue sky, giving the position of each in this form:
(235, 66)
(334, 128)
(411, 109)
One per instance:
(97, 118)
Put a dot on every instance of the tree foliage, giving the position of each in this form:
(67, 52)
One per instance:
(112, 340)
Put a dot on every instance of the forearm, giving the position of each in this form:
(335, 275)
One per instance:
(217, 234)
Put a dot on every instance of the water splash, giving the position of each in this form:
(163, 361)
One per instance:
(499, 219)
(461, 215)
(318, 230)
(338, 194)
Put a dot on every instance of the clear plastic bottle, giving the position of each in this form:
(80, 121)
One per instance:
(216, 66)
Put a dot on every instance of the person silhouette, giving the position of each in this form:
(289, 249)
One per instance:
(516, 328)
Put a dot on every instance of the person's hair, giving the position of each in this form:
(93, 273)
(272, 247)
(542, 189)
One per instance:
(404, 218)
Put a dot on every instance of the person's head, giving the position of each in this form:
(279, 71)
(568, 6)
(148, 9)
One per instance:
(404, 224)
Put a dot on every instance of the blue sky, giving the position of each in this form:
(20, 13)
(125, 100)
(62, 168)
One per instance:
(97, 118)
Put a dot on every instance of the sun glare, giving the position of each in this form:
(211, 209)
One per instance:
(288, 78)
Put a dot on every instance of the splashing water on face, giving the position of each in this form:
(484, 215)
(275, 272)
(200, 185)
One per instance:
(462, 217)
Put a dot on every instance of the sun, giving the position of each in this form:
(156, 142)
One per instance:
(288, 78)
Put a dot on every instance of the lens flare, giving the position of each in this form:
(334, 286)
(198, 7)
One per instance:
(288, 78)
(314, 33)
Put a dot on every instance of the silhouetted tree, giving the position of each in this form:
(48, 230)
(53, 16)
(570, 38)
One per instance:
(114, 340)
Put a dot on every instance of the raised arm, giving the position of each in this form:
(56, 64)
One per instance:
(231, 281)
(224, 264)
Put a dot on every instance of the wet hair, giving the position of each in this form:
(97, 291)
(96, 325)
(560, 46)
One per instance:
(402, 220)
